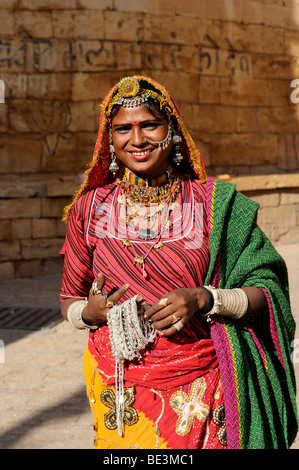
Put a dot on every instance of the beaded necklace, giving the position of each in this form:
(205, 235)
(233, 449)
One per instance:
(167, 196)
(148, 190)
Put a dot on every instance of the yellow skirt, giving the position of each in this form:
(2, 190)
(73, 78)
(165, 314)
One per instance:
(141, 434)
(187, 417)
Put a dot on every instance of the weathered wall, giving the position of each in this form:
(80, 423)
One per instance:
(229, 65)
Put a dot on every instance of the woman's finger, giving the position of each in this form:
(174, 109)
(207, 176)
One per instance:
(117, 295)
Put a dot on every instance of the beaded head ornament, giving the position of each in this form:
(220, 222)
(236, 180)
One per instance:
(130, 92)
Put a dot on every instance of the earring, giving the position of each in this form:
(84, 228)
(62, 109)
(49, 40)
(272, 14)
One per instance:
(113, 167)
(178, 157)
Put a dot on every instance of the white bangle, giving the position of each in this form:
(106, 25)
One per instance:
(74, 316)
(231, 303)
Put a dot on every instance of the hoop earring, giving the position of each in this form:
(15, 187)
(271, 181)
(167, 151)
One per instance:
(178, 157)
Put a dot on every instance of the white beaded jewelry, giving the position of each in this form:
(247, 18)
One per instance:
(74, 316)
(232, 303)
(129, 333)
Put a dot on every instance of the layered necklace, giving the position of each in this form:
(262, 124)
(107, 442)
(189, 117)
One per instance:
(149, 202)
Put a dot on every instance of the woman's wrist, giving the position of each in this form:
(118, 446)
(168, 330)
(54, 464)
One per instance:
(206, 305)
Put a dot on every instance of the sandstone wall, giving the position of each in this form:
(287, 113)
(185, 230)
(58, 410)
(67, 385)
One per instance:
(229, 64)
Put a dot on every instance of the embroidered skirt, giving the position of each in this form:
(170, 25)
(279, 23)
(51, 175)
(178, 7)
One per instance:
(190, 416)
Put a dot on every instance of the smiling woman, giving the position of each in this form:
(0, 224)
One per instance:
(134, 133)
(187, 310)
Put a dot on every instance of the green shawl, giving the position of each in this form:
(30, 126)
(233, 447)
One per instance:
(255, 356)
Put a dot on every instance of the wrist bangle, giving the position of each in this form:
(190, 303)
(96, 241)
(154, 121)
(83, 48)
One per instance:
(210, 300)
(74, 316)
(231, 303)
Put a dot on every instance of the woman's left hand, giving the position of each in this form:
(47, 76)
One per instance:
(178, 305)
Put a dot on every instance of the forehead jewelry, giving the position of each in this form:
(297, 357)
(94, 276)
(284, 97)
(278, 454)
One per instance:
(130, 94)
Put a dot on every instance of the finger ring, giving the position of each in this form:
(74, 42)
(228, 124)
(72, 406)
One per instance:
(109, 304)
(175, 319)
(98, 291)
(163, 301)
(178, 325)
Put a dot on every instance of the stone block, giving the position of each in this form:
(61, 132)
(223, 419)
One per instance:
(63, 188)
(41, 248)
(244, 92)
(247, 120)
(290, 197)
(61, 228)
(52, 86)
(20, 208)
(10, 250)
(157, 7)
(48, 5)
(78, 24)
(212, 119)
(43, 228)
(170, 30)
(15, 85)
(7, 23)
(20, 153)
(265, 199)
(281, 120)
(226, 11)
(209, 89)
(52, 266)
(28, 268)
(36, 24)
(93, 86)
(284, 216)
(270, 66)
(280, 92)
(53, 207)
(288, 152)
(82, 113)
(120, 26)
(189, 92)
(6, 271)
(21, 228)
(5, 230)
(94, 4)
(243, 149)
(3, 117)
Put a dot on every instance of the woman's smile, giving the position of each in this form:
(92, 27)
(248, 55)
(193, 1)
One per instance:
(132, 129)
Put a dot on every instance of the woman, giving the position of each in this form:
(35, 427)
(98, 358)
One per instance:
(149, 230)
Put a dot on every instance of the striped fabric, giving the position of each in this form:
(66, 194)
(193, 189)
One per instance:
(175, 364)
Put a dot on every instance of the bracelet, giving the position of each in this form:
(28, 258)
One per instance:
(231, 303)
(74, 316)
(209, 304)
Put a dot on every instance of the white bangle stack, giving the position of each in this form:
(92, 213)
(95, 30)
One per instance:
(74, 316)
(231, 303)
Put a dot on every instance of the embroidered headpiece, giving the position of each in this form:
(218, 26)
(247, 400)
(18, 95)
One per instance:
(130, 95)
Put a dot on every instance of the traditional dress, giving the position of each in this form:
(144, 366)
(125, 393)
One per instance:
(223, 384)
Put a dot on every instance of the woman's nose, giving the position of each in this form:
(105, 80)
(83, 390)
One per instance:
(137, 137)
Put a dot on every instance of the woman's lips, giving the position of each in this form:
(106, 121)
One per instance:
(142, 155)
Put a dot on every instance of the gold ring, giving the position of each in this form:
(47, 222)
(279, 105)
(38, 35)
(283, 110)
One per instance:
(109, 304)
(175, 319)
(163, 301)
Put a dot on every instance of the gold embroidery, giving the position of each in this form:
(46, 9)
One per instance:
(190, 407)
(130, 414)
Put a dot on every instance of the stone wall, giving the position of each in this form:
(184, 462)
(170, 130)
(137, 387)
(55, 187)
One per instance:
(229, 64)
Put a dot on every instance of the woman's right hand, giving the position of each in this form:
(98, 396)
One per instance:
(96, 310)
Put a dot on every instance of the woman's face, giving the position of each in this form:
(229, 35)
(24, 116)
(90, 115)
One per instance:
(130, 129)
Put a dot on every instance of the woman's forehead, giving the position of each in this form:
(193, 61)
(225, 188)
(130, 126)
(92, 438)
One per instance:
(134, 115)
